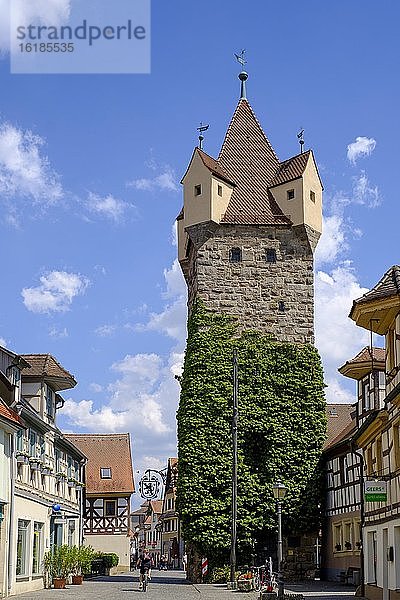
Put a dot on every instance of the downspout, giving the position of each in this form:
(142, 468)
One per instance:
(83, 464)
(11, 535)
(362, 516)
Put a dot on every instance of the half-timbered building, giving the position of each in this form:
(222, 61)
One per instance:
(109, 486)
(379, 439)
(341, 554)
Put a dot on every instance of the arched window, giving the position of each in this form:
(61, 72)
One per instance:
(270, 255)
(235, 255)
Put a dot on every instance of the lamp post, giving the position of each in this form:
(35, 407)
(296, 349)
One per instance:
(279, 494)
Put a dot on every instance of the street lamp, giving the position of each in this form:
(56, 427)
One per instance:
(279, 494)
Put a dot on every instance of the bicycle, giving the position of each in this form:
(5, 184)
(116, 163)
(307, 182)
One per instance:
(264, 579)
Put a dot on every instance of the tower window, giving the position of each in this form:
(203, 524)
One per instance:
(197, 190)
(219, 190)
(235, 255)
(271, 255)
(281, 306)
(312, 196)
(290, 194)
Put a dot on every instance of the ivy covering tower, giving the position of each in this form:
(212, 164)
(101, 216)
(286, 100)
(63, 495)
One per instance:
(246, 240)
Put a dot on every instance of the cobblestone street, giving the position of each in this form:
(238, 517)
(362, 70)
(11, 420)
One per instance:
(171, 585)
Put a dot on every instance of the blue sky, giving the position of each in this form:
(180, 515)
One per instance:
(89, 187)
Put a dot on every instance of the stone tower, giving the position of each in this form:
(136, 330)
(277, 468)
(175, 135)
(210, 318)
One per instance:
(248, 230)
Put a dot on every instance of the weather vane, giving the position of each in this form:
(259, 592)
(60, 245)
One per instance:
(300, 137)
(201, 130)
(242, 75)
(240, 58)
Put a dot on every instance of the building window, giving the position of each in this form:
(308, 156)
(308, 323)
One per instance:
(197, 190)
(290, 194)
(348, 536)
(312, 196)
(32, 443)
(49, 402)
(105, 472)
(219, 190)
(235, 255)
(270, 255)
(337, 538)
(20, 440)
(281, 306)
(110, 508)
(37, 547)
(22, 547)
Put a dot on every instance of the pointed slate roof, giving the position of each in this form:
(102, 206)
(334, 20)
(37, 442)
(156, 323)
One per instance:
(250, 161)
(388, 286)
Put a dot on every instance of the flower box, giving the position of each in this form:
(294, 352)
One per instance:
(245, 585)
(35, 463)
(22, 458)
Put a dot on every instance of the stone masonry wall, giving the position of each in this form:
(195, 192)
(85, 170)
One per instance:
(252, 289)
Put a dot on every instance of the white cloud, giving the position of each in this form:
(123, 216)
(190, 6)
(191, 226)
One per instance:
(363, 146)
(45, 12)
(55, 293)
(102, 420)
(337, 337)
(96, 388)
(58, 333)
(165, 181)
(3, 342)
(364, 192)
(105, 330)
(25, 171)
(107, 206)
(332, 242)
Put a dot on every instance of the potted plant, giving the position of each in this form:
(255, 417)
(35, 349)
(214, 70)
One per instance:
(71, 482)
(81, 562)
(57, 565)
(338, 547)
(35, 463)
(60, 476)
(347, 545)
(22, 457)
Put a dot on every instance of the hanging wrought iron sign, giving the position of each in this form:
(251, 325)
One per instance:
(150, 484)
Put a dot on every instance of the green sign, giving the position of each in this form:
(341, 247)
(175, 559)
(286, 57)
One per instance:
(375, 491)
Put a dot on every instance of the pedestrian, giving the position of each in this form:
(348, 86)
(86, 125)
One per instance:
(184, 562)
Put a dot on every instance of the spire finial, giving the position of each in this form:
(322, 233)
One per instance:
(243, 76)
(201, 129)
(301, 139)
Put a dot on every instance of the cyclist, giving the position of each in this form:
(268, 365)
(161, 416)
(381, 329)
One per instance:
(144, 566)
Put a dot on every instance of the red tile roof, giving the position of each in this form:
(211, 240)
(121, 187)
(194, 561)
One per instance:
(156, 506)
(106, 450)
(339, 417)
(9, 414)
(290, 169)
(47, 367)
(214, 166)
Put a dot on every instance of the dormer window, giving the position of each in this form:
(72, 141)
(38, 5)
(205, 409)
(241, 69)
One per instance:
(270, 255)
(105, 472)
(312, 196)
(235, 255)
(197, 190)
(290, 194)
(219, 190)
